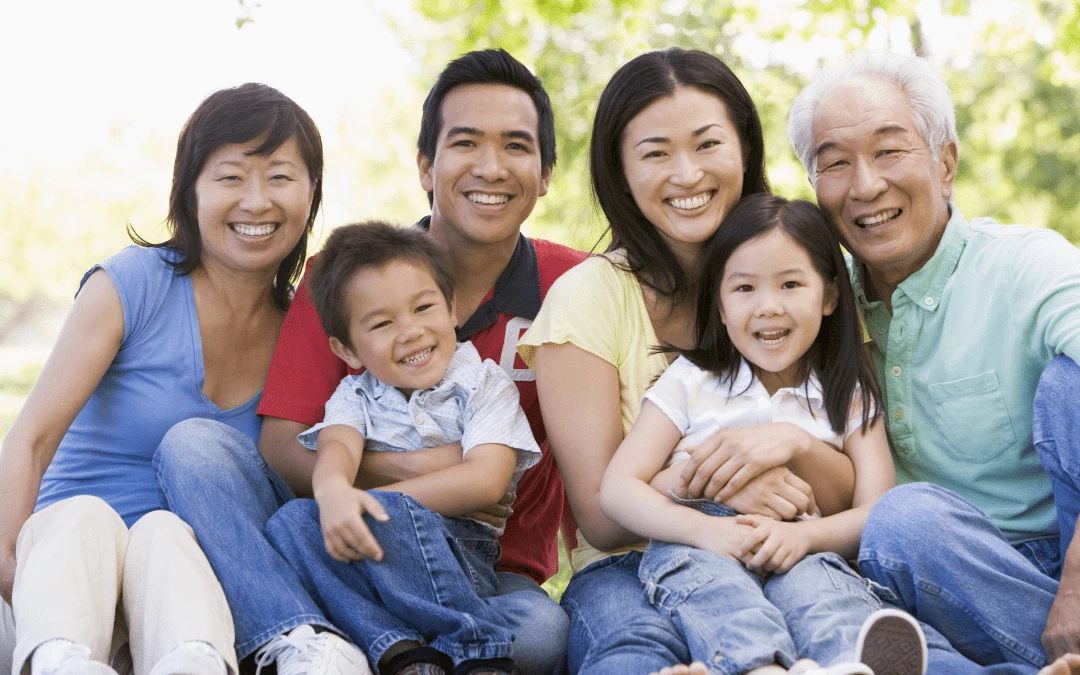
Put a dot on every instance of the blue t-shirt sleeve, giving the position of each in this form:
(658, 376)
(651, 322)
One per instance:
(141, 277)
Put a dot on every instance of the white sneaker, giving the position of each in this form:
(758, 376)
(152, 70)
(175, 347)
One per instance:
(63, 657)
(892, 643)
(305, 652)
(191, 658)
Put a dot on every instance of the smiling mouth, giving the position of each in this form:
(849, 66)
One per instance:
(691, 203)
(487, 199)
(253, 231)
(878, 218)
(418, 358)
(772, 337)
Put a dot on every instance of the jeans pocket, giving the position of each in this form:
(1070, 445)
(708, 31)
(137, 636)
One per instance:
(844, 578)
(669, 574)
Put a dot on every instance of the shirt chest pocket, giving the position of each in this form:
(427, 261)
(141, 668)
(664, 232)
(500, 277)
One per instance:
(971, 418)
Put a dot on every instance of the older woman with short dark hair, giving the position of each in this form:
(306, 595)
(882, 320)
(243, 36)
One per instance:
(158, 334)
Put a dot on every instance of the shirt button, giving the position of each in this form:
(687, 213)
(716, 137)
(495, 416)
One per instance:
(929, 301)
(896, 371)
(899, 414)
(419, 418)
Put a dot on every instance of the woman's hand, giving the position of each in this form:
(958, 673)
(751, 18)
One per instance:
(729, 459)
(341, 514)
(777, 493)
(772, 546)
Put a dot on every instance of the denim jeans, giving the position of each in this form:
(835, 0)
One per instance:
(214, 478)
(1056, 430)
(735, 621)
(424, 589)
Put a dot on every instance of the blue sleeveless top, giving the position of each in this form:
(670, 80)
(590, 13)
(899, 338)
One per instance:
(154, 382)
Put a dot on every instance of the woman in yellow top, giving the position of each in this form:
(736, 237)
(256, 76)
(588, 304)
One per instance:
(676, 143)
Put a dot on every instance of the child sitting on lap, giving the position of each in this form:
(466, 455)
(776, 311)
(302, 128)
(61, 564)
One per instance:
(406, 582)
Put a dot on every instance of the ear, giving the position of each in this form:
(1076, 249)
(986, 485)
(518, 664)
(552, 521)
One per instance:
(832, 298)
(345, 353)
(545, 181)
(424, 166)
(723, 318)
(950, 153)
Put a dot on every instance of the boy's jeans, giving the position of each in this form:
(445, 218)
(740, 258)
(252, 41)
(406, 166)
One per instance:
(214, 478)
(954, 569)
(425, 589)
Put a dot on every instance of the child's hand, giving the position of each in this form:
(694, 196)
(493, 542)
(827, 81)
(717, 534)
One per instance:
(722, 536)
(773, 545)
(726, 461)
(341, 514)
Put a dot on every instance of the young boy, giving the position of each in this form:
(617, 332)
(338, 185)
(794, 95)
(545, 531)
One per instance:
(412, 596)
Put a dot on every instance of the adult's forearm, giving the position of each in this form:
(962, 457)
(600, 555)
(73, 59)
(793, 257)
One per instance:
(829, 473)
(292, 461)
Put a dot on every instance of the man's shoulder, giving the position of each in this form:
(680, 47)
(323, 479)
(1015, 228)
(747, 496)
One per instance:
(998, 246)
(554, 260)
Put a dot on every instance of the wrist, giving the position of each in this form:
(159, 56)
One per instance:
(330, 487)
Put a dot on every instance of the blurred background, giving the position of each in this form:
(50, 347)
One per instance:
(93, 95)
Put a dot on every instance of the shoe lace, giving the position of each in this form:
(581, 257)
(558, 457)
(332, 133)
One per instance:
(300, 650)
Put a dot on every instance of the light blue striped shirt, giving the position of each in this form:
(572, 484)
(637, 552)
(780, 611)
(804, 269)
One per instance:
(474, 403)
(960, 357)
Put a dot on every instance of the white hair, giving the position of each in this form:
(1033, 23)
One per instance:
(922, 84)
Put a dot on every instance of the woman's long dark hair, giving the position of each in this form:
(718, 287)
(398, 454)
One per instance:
(837, 356)
(238, 115)
(632, 88)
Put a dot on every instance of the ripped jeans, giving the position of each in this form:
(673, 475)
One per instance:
(734, 621)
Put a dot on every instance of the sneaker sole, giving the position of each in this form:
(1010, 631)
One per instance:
(893, 646)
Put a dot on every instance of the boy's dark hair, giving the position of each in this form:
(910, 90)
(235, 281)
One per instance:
(632, 88)
(837, 356)
(487, 66)
(238, 115)
(351, 248)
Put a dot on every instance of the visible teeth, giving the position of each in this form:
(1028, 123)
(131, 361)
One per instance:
(878, 219)
(418, 357)
(772, 337)
(481, 198)
(253, 230)
(695, 202)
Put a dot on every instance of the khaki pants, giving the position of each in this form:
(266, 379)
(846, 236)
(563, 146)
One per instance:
(83, 576)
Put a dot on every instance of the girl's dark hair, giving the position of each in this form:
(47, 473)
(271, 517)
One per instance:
(238, 115)
(837, 356)
(632, 88)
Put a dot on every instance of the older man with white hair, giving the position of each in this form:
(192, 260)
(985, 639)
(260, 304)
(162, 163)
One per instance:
(963, 318)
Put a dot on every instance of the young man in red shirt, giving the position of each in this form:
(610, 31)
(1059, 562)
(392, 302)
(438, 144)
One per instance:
(486, 152)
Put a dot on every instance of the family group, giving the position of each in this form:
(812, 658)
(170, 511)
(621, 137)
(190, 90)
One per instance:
(220, 471)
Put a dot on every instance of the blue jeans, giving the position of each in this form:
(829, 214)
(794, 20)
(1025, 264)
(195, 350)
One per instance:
(425, 589)
(214, 478)
(1056, 429)
(735, 621)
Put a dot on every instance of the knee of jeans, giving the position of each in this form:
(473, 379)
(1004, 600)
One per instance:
(1060, 378)
(398, 504)
(911, 515)
(297, 519)
(198, 446)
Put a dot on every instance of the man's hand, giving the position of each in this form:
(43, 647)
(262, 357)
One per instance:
(773, 546)
(777, 493)
(725, 462)
(1062, 634)
(341, 514)
(7, 576)
(496, 514)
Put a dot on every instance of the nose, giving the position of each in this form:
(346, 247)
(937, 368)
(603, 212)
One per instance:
(489, 165)
(409, 329)
(867, 183)
(768, 303)
(687, 170)
(255, 198)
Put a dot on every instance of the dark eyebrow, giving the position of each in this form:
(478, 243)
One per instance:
(519, 134)
(887, 130)
(662, 139)
(415, 297)
(468, 131)
(704, 129)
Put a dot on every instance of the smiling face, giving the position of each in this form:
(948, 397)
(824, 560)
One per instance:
(772, 300)
(683, 162)
(486, 176)
(400, 326)
(252, 209)
(878, 180)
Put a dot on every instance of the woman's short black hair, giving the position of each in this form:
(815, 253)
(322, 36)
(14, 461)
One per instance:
(837, 356)
(632, 88)
(239, 115)
(352, 248)
(487, 66)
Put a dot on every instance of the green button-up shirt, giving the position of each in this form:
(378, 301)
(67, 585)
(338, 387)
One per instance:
(960, 357)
